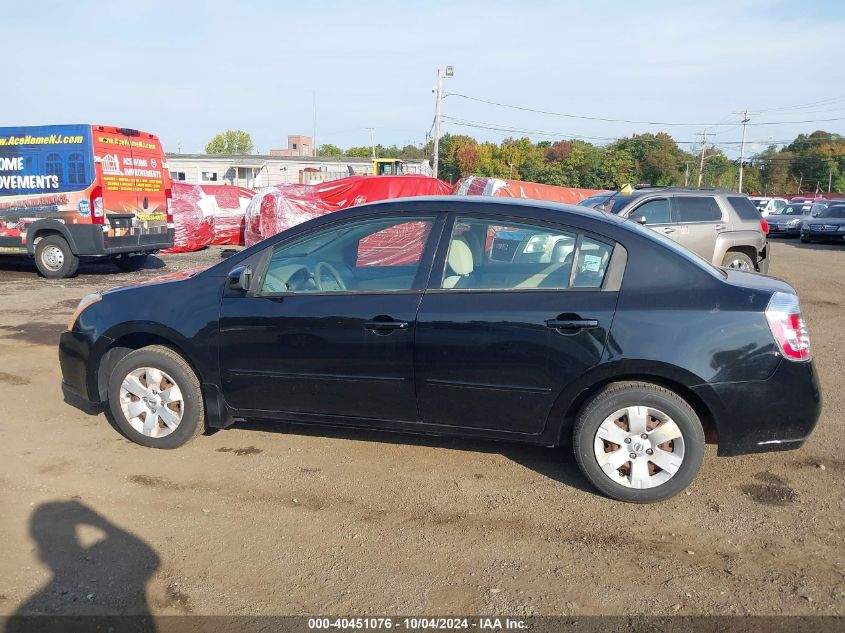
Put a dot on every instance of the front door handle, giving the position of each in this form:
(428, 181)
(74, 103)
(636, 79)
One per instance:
(668, 229)
(385, 327)
(720, 227)
(571, 324)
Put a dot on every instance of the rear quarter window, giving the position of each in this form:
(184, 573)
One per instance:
(744, 208)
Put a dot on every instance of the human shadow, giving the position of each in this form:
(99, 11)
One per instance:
(99, 573)
(558, 463)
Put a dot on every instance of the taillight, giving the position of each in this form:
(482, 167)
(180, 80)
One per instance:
(97, 215)
(168, 194)
(764, 226)
(788, 327)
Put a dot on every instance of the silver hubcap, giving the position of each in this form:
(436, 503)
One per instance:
(740, 264)
(53, 257)
(639, 447)
(151, 401)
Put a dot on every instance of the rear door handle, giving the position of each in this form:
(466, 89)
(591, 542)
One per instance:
(571, 324)
(385, 326)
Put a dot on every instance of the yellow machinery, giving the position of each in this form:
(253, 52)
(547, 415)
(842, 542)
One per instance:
(388, 167)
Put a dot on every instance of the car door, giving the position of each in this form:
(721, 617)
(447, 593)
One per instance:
(328, 324)
(656, 214)
(515, 311)
(699, 221)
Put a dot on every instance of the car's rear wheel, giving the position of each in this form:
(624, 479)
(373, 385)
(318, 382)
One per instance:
(54, 259)
(638, 442)
(155, 398)
(738, 260)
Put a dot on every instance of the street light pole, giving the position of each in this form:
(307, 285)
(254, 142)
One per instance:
(438, 97)
(373, 140)
(701, 162)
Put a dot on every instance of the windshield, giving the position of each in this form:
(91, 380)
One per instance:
(761, 203)
(794, 209)
(833, 212)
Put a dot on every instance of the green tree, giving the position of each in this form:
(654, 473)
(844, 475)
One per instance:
(329, 150)
(359, 152)
(230, 142)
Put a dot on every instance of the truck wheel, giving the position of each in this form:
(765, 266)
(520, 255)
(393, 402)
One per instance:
(638, 442)
(131, 263)
(155, 398)
(54, 259)
(739, 261)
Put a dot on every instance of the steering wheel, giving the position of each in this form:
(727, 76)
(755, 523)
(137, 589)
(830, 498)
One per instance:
(318, 269)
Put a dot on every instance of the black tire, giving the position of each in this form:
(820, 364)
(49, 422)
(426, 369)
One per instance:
(733, 258)
(54, 259)
(131, 263)
(806, 239)
(627, 394)
(172, 364)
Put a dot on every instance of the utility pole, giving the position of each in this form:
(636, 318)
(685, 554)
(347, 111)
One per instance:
(686, 173)
(829, 179)
(742, 149)
(701, 162)
(314, 138)
(373, 140)
(438, 97)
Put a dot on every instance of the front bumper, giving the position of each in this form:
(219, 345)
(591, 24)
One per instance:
(74, 355)
(833, 236)
(765, 415)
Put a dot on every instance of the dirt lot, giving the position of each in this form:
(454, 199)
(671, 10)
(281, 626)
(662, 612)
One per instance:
(280, 519)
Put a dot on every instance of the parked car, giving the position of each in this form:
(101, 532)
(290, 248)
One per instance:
(631, 348)
(825, 225)
(83, 191)
(789, 219)
(721, 226)
(768, 205)
(597, 200)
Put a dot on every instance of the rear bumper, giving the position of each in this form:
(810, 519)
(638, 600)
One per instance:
(765, 415)
(89, 240)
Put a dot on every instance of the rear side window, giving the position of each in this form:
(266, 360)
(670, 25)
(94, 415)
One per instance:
(697, 209)
(745, 208)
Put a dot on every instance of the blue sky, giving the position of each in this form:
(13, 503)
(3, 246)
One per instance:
(189, 70)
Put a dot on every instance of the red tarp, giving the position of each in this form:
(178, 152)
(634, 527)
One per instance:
(483, 186)
(193, 218)
(207, 214)
(280, 207)
(229, 212)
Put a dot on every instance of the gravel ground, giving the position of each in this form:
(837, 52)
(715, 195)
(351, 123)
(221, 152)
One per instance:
(280, 519)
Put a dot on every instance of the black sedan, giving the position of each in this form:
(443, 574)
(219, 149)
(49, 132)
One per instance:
(788, 220)
(825, 225)
(418, 315)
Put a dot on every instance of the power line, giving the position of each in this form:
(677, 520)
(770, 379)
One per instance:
(630, 121)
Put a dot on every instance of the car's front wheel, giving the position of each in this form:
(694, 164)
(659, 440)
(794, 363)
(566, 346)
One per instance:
(638, 442)
(155, 398)
(805, 238)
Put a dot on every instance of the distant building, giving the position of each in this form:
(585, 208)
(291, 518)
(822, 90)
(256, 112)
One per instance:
(256, 171)
(298, 145)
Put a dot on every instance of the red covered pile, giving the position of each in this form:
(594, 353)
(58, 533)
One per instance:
(280, 207)
(483, 186)
(208, 214)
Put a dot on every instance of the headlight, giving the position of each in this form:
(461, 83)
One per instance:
(841, 229)
(87, 300)
(537, 244)
(793, 222)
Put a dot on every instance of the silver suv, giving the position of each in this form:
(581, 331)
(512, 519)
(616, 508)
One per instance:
(719, 225)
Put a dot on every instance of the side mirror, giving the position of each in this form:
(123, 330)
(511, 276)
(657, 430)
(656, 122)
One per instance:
(641, 220)
(240, 278)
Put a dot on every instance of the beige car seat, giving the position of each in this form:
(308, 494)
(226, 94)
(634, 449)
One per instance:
(459, 263)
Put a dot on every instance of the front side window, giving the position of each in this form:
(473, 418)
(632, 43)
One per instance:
(653, 212)
(490, 255)
(372, 255)
(697, 209)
